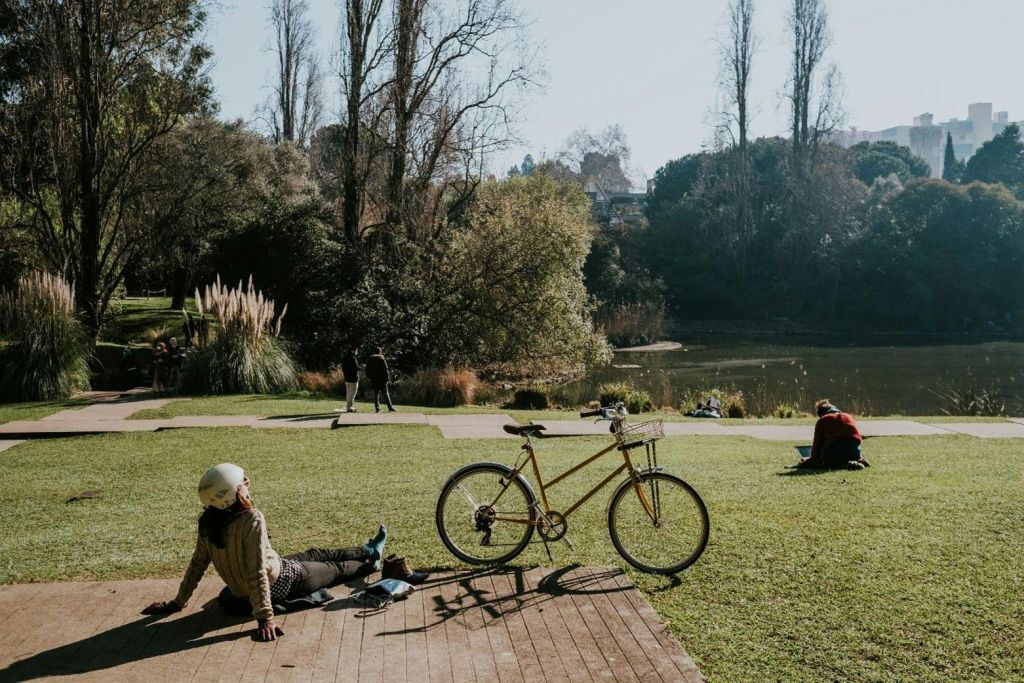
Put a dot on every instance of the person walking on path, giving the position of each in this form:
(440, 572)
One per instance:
(379, 375)
(233, 536)
(350, 368)
(837, 440)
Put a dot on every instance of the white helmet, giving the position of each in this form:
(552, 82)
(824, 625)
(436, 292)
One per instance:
(219, 486)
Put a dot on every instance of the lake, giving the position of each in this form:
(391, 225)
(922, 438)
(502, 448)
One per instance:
(867, 379)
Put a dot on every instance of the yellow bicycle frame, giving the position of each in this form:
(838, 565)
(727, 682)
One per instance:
(626, 465)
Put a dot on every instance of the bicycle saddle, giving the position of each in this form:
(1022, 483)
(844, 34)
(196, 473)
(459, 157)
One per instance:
(524, 429)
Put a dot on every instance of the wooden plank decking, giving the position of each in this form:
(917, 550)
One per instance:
(575, 624)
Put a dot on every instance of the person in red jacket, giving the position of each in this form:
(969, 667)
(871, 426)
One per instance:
(836, 440)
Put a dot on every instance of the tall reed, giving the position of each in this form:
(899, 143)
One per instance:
(44, 355)
(243, 352)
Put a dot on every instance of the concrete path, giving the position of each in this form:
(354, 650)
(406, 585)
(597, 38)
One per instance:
(109, 412)
(573, 624)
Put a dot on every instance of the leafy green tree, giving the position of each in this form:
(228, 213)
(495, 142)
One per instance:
(99, 83)
(952, 168)
(1000, 160)
(869, 161)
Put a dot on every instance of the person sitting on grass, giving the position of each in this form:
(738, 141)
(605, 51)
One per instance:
(233, 536)
(836, 440)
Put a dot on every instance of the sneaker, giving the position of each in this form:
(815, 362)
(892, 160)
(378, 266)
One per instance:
(398, 568)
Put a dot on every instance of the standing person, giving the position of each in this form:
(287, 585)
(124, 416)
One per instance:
(175, 361)
(158, 368)
(233, 536)
(837, 440)
(379, 375)
(350, 368)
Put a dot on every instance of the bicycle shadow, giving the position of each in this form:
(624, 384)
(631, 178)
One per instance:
(456, 594)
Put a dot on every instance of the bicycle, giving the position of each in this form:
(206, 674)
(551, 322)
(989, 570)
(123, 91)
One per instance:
(662, 529)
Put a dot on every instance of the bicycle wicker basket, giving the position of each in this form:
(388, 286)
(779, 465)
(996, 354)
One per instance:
(652, 430)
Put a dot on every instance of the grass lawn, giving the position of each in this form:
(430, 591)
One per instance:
(908, 570)
(9, 412)
(139, 316)
(299, 404)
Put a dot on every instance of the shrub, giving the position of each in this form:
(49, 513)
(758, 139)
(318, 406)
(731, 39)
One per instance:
(155, 334)
(631, 324)
(331, 383)
(489, 394)
(532, 398)
(786, 411)
(244, 353)
(443, 388)
(971, 401)
(45, 356)
(636, 400)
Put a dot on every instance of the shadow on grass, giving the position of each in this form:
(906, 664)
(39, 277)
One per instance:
(136, 641)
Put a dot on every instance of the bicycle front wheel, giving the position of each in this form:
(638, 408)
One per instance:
(485, 515)
(667, 534)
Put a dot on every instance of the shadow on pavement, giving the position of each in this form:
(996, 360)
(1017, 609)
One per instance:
(144, 638)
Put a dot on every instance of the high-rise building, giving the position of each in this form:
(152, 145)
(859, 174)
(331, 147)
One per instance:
(927, 139)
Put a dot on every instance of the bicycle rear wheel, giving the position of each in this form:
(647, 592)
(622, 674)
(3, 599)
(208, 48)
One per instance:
(474, 527)
(677, 539)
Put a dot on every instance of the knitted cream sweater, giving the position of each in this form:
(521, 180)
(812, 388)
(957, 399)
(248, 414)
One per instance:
(246, 563)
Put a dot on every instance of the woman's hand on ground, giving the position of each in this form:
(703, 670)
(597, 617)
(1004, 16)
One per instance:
(162, 607)
(267, 630)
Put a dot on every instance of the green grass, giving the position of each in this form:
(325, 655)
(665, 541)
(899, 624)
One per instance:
(138, 316)
(300, 404)
(909, 570)
(9, 412)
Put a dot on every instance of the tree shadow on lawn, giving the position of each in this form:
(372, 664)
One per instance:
(144, 638)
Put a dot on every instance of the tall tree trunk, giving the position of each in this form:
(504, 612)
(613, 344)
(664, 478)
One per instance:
(351, 200)
(407, 20)
(87, 290)
(179, 289)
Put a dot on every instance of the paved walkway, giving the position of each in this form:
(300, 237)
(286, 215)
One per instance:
(573, 624)
(110, 412)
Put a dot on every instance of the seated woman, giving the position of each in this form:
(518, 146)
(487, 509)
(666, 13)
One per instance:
(836, 440)
(233, 535)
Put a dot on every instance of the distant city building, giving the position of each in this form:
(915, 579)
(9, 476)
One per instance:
(616, 208)
(927, 139)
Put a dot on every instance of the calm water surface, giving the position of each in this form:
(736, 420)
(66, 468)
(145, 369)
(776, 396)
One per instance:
(878, 380)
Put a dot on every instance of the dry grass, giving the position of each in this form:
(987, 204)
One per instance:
(45, 356)
(331, 383)
(443, 388)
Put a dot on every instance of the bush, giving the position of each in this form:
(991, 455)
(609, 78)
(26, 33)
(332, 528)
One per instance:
(331, 383)
(636, 400)
(244, 353)
(45, 356)
(489, 394)
(532, 398)
(442, 388)
(787, 411)
(632, 324)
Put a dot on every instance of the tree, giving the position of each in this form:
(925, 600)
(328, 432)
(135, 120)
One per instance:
(952, 168)
(869, 161)
(297, 102)
(1000, 160)
(601, 158)
(432, 89)
(737, 51)
(815, 106)
(104, 81)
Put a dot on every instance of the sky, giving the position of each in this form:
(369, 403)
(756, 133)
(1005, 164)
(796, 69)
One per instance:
(651, 66)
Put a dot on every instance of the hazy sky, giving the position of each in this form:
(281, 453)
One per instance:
(651, 65)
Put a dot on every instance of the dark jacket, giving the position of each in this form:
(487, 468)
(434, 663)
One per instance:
(350, 366)
(377, 369)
